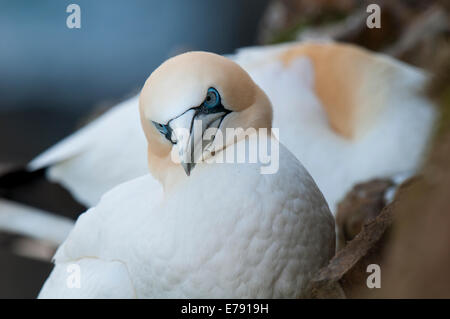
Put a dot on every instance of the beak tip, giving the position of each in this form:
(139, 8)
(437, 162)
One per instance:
(188, 168)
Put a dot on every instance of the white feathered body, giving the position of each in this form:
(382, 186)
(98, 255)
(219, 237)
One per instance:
(226, 232)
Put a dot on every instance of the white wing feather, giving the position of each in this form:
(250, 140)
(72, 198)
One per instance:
(88, 278)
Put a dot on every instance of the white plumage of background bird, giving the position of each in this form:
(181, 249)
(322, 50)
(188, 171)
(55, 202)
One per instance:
(349, 115)
(226, 230)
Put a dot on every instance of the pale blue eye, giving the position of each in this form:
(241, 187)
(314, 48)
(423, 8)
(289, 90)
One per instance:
(164, 130)
(161, 127)
(212, 98)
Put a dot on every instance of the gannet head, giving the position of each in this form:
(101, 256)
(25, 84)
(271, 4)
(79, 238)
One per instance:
(197, 92)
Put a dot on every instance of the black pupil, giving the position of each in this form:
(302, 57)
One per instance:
(211, 98)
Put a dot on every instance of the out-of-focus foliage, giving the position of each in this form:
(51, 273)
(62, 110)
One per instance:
(410, 30)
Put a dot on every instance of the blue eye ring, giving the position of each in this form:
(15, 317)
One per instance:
(161, 127)
(164, 129)
(212, 99)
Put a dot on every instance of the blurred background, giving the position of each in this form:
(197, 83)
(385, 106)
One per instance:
(55, 75)
(53, 79)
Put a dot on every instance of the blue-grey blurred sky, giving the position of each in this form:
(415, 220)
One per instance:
(119, 44)
(51, 76)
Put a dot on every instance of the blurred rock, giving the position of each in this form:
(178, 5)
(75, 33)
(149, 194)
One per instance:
(418, 260)
(347, 270)
(410, 238)
(362, 204)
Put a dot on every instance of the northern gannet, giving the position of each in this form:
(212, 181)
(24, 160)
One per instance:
(207, 230)
(353, 115)
(349, 115)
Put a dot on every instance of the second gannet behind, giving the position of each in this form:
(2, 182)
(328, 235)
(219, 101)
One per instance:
(349, 115)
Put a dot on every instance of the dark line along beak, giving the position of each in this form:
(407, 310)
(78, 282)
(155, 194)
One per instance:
(191, 147)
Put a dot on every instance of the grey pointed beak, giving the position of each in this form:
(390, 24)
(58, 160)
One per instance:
(188, 167)
(188, 130)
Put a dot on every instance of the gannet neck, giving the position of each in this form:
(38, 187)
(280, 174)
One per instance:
(167, 172)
